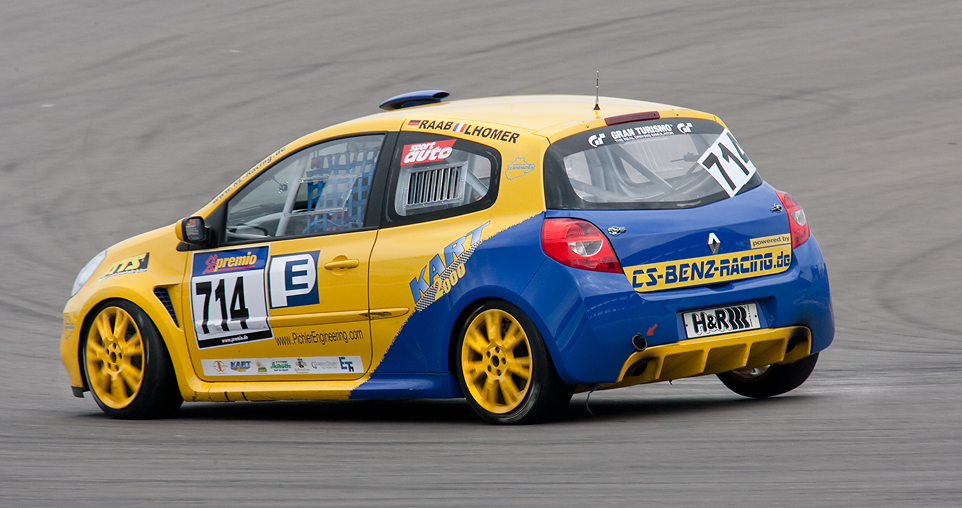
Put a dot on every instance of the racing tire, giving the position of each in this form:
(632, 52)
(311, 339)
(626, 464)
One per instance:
(126, 364)
(769, 380)
(504, 368)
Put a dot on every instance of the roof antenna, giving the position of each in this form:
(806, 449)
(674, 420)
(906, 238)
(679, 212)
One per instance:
(597, 80)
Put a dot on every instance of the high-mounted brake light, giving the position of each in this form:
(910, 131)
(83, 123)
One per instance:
(579, 244)
(632, 117)
(797, 224)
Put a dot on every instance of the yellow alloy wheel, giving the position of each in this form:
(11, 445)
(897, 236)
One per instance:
(114, 357)
(496, 361)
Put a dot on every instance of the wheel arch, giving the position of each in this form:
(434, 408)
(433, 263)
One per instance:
(155, 311)
(476, 299)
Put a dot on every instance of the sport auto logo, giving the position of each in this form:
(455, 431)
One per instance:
(427, 152)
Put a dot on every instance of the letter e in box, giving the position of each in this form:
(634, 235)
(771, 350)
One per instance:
(292, 280)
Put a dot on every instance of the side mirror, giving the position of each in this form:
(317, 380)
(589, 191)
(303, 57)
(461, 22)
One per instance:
(192, 231)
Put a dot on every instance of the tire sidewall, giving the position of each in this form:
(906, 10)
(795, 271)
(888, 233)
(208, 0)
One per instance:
(780, 378)
(542, 369)
(157, 395)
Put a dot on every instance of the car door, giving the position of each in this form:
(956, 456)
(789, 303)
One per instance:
(285, 294)
(437, 209)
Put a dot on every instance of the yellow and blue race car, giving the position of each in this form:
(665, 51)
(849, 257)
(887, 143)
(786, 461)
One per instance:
(511, 250)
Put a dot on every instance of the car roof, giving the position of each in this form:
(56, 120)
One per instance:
(551, 116)
(542, 114)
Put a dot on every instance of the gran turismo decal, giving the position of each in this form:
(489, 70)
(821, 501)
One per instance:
(292, 279)
(133, 264)
(518, 168)
(228, 298)
(645, 131)
(466, 129)
(274, 366)
(444, 269)
(432, 151)
(710, 269)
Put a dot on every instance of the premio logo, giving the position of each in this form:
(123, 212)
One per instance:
(229, 263)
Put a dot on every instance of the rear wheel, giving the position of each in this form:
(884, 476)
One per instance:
(504, 368)
(126, 364)
(770, 380)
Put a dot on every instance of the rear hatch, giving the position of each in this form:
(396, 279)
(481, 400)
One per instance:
(680, 201)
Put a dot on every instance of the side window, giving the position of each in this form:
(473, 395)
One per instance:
(435, 176)
(321, 189)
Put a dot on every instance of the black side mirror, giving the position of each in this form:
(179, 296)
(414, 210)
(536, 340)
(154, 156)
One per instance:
(193, 231)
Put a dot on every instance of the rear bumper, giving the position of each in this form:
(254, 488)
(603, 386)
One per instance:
(712, 355)
(588, 331)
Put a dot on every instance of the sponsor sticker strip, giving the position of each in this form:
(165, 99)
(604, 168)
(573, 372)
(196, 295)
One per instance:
(710, 269)
(275, 366)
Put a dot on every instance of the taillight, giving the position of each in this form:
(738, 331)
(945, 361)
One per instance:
(796, 219)
(579, 244)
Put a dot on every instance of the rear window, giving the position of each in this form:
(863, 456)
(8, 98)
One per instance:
(666, 163)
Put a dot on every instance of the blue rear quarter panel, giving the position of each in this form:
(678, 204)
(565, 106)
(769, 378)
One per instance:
(586, 318)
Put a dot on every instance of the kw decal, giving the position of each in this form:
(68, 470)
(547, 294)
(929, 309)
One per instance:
(444, 270)
(765, 260)
(133, 264)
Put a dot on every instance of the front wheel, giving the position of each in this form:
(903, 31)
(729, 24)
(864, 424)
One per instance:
(770, 380)
(504, 368)
(126, 364)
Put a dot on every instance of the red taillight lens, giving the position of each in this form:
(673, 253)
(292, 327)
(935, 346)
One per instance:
(579, 244)
(796, 219)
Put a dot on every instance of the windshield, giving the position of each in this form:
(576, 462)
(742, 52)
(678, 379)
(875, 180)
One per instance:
(677, 163)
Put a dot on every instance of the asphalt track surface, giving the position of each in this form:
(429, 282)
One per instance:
(119, 117)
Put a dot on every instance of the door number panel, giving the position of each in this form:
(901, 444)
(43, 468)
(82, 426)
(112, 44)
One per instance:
(227, 297)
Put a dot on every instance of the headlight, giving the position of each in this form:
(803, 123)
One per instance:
(87, 271)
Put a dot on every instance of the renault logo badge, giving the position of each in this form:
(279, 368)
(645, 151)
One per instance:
(713, 243)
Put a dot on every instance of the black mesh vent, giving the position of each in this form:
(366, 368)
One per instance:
(164, 298)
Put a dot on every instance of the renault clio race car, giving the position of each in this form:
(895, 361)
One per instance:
(512, 251)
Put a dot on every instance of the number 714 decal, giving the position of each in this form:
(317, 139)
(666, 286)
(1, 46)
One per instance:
(227, 297)
(727, 163)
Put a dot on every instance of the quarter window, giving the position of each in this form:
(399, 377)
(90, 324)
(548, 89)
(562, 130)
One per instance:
(436, 176)
(322, 189)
